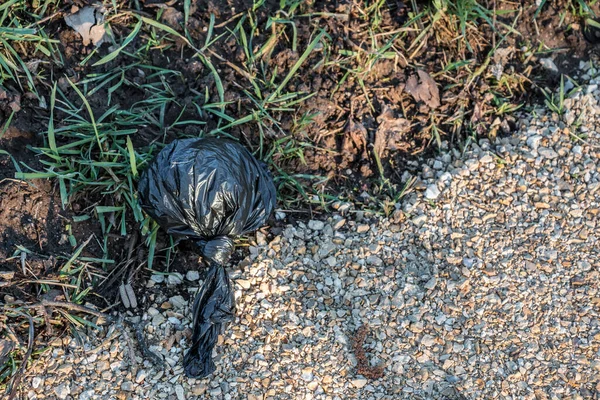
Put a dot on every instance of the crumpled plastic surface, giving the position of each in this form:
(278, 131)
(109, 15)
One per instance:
(208, 190)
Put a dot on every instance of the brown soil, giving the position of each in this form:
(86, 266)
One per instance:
(348, 124)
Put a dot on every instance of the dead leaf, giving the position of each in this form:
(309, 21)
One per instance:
(89, 23)
(15, 104)
(128, 296)
(426, 90)
(389, 132)
(476, 113)
(357, 134)
(501, 58)
(172, 17)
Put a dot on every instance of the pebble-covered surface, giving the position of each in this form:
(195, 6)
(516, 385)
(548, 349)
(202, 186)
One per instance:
(483, 284)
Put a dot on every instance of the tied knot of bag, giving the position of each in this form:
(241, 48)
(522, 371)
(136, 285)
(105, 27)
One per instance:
(217, 249)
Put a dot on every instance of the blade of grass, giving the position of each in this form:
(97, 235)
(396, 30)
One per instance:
(91, 114)
(7, 124)
(132, 161)
(111, 56)
(76, 254)
(51, 137)
(299, 63)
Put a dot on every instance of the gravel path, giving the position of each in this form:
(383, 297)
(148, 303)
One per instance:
(482, 285)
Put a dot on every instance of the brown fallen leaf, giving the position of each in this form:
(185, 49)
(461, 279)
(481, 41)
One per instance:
(172, 17)
(389, 132)
(476, 113)
(423, 89)
(356, 136)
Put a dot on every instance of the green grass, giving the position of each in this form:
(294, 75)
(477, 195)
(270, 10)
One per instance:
(18, 36)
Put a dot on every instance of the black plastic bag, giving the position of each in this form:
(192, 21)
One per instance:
(208, 190)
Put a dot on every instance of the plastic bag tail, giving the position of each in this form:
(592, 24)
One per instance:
(214, 307)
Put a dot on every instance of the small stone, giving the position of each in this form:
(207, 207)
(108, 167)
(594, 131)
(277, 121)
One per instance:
(374, 260)
(362, 228)
(427, 172)
(316, 225)
(178, 302)
(179, 392)
(468, 262)
(359, 383)
(331, 261)
(192, 276)
(87, 395)
(62, 391)
(36, 382)
(432, 192)
(307, 374)
(261, 239)
(472, 165)
(158, 278)
(549, 64)
(398, 299)
(534, 142)
(431, 283)
(140, 376)
(487, 159)
(547, 153)
(339, 224)
(127, 386)
(244, 283)
(420, 220)
(158, 319)
(428, 340)
(199, 390)
(175, 279)
(65, 369)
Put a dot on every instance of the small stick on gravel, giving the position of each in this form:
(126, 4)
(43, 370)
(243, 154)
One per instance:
(363, 367)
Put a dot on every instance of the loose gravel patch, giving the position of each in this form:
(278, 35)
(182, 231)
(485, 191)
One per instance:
(481, 285)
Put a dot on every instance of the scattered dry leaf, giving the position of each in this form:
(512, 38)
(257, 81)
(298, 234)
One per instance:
(501, 58)
(89, 23)
(390, 131)
(172, 17)
(426, 90)
(476, 113)
(356, 135)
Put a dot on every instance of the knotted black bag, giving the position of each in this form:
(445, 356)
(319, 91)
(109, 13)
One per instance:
(208, 191)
